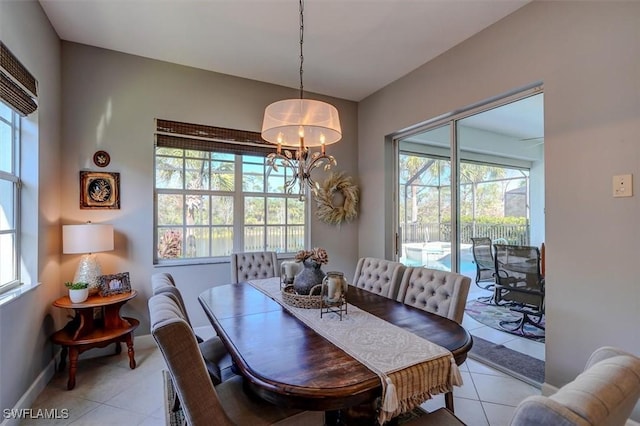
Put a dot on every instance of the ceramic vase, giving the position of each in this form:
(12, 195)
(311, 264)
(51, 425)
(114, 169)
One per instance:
(310, 276)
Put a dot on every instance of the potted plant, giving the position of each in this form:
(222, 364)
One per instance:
(78, 292)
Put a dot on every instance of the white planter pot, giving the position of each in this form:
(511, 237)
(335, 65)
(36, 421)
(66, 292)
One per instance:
(78, 296)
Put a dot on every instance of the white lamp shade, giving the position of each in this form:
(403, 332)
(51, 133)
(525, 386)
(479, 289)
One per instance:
(87, 238)
(287, 120)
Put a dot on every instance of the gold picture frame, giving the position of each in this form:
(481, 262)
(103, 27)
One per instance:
(99, 190)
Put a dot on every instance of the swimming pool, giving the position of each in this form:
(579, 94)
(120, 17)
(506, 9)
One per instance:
(442, 261)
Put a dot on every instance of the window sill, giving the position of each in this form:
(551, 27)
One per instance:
(15, 293)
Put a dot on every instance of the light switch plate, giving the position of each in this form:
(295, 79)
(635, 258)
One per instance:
(623, 186)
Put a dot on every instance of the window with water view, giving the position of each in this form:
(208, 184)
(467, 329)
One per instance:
(210, 204)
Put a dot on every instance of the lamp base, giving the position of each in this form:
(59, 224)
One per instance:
(89, 271)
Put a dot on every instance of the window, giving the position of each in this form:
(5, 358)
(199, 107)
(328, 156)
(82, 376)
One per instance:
(9, 195)
(214, 197)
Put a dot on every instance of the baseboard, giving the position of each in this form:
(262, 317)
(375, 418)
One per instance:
(29, 397)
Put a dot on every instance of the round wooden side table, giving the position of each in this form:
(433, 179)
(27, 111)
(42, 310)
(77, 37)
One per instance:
(87, 330)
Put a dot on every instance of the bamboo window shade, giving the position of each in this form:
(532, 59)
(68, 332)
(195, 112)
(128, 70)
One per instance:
(17, 86)
(199, 137)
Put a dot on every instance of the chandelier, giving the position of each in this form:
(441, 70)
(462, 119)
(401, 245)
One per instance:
(301, 124)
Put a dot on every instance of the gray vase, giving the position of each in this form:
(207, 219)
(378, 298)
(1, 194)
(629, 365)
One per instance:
(310, 276)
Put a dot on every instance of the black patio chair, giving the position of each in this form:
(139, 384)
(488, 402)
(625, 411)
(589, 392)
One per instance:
(485, 265)
(520, 283)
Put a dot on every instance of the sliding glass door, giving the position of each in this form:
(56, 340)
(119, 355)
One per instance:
(476, 174)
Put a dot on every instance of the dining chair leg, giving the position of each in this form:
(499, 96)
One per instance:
(448, 401)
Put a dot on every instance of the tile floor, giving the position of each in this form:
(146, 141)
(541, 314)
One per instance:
(108, 392)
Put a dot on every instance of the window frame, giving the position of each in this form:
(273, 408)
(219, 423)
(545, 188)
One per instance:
(14, 178)
(239, 195)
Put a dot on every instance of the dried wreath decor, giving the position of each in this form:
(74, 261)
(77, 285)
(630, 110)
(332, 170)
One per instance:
(324, 194)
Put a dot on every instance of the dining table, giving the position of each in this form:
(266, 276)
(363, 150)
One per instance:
(287, 363)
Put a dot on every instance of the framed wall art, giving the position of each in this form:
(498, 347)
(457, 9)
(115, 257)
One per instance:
(99, 190)
(114, 284)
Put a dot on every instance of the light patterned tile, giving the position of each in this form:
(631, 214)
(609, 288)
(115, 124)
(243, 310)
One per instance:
(502, 390)
(145, 397)
(527, 346)
(474, 366)
(105, 415)
(491, 335)
(498, 415)
(470, 412)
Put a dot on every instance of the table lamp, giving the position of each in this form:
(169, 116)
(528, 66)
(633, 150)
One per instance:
(88, 239)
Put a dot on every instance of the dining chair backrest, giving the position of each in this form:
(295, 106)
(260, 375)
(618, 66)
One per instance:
(604, 394)
(253, 265)
(163, 282)
(379, 276)
(216, 357)
(203, 404)
(179, 348)
(439, 292)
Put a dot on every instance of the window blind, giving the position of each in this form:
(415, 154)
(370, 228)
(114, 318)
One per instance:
(175, 134)
(17, 86)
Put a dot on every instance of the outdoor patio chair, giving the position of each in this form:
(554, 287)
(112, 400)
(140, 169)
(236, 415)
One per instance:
(483, 257)
(520, 283)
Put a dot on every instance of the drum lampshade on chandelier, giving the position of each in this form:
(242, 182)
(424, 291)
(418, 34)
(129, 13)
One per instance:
(301, 123)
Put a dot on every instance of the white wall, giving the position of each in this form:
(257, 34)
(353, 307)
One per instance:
(588, 56)
(110, 102)
(27, 322)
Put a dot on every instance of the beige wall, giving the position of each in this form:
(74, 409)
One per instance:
(588, 56)
(110, 102)
(27, 322)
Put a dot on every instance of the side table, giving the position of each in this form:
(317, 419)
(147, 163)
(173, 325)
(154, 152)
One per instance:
(85, 331)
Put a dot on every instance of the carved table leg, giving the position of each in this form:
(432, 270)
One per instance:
(132, 360)
(63, 359)
(73, 367)
(448, 400)
(118, 348)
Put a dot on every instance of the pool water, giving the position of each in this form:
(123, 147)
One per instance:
(467, 266)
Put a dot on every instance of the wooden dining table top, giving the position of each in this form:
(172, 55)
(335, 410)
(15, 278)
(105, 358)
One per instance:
(287, 363)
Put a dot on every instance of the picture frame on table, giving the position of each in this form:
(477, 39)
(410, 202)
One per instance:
(114, 284)
(99, 190)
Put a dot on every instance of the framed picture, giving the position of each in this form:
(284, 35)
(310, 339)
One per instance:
(114, 284)
(99, 190)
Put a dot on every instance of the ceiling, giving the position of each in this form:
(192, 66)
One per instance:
(352, 48)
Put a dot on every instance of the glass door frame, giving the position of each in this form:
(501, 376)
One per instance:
(451, 119)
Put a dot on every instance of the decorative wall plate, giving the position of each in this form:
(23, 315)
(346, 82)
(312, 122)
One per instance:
(101, 158)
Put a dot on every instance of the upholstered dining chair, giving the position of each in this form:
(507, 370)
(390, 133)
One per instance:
(439, 292)
(604, 394)
(201, 403)
(216, 357)
(253, 265)
(379, 276)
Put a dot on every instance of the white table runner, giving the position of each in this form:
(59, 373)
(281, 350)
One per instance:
(411, 368)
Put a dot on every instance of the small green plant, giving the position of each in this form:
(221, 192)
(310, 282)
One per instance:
(76, 286)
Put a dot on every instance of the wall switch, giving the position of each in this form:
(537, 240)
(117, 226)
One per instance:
(623, 186)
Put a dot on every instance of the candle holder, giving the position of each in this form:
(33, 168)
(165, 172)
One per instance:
(333, 296)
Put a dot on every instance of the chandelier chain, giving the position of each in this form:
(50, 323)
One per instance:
(301, 43)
